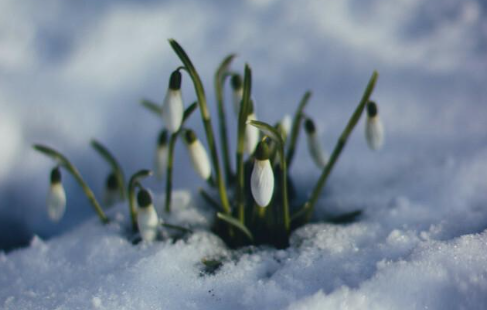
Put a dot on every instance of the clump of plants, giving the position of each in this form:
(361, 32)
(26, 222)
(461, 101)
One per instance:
(253, 199)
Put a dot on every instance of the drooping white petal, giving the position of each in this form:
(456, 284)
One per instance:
(374, 132)
(173, 110)
(262, 182)
(320, 157)
(160, 161)
(199, 159)
(237, 99)
(148, 222)
(251, 136)
(56, 202)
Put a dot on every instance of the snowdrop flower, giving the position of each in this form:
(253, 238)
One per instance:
(315, 149)
(262, 178)
(285, 126)
(251, 132)
(237, 87)
(112, 192)
(172, 108)
(147, 219)
(374, 130)
(56, 198)
(161, 157)
(198, 155)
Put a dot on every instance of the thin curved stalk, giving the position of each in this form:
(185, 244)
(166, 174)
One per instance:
(205, 115)
(298, 117)
(220, 77)
(63, 161)
(242, 118)
(116, 168)
(272, 132)
(170, 158)
(309, 205)
(134, 180)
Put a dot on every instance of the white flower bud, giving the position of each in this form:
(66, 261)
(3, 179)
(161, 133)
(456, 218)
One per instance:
(262, 178)
(173, 108)
(374, 130)
(56, 198)
(112, 192)
(286, 124)
(320, 157)
(237, 93)
(198, 155)
(161, 156)
(147, 219)
(252, 135)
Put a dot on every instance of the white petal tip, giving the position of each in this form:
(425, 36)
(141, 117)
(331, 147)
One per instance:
(56, 202)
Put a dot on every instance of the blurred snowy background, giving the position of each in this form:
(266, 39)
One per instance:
(72, 71)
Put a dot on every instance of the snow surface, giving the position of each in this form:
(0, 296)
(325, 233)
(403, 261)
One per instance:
(365, 265)
(73, 71)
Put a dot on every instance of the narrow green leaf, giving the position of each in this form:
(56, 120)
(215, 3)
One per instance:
(235, 223)
(205, 115)
(298, 117)
(151, 106)
(219, 80)
(51, 153)
(189, 110)
(242, 118)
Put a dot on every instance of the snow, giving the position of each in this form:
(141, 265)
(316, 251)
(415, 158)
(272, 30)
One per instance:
(364, 265)
(71, 72)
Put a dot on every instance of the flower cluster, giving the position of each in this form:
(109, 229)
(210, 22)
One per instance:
(254, 197)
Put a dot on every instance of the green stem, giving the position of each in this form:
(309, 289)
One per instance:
(285, 198)
(298, 117)
(242, 118)
(63, 161)
(116, 168)
(309, 205)
(170, 163)
(220, 76)
(205, 115)
(134, 180)
(170, 157)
